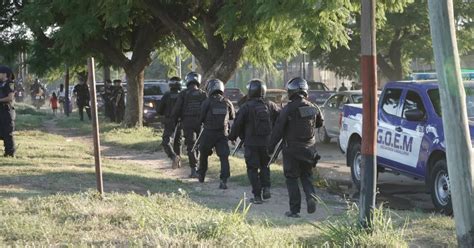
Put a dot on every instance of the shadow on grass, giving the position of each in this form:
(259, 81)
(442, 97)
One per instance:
(72, 182)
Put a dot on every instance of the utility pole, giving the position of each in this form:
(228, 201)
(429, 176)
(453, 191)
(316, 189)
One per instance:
(95, 125)
(368, 65)
(455, 123)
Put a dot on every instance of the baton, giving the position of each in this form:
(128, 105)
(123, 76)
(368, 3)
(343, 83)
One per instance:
(276, 153)
(197, 141)
(238, 147)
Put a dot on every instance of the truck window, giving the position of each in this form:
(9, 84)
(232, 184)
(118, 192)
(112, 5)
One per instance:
(436, 101)
(413, 101)
(391, 101)
(333, 102)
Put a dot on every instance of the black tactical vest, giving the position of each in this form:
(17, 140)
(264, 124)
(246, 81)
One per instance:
(301, 122)
(217, 116)
(192, 103)
(259, 118)
(170, 102)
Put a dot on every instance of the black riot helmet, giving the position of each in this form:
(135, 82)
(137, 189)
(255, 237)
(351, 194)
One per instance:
(256, 88)
(175, 83)
(297, 85)
(215, 85)
(193, 77)
(8, 71)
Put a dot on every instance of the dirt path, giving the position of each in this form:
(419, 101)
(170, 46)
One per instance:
(208, 193)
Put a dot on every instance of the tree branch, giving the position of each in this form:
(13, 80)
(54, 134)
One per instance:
(112, 54)
(184, 34)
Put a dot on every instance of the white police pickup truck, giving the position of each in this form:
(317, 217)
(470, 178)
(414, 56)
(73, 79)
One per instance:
(410, 137)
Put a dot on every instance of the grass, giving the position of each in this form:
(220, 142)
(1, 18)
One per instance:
(47, 199)
(143, 138)
(134, 220)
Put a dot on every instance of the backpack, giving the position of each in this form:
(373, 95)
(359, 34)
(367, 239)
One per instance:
(262, 124)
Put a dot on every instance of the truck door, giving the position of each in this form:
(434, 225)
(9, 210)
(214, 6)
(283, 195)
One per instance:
(389, 122)
(409, 139)
(331, 115)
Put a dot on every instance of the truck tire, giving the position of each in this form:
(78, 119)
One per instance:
(323, 135)
(354, 160)
(440, 187)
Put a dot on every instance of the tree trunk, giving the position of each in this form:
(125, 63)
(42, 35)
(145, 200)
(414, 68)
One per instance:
(134, 106)
(224, 67)
(390, 72)
(310, 70)
(286, 77)
(106, 72)
(455, 121)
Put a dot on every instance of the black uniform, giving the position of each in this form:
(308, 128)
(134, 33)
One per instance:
(107, 96)
(187, 110)
(297, 125)
(254, 123)
(165, 109)
(7, 116)
(82, 100)
(118, 103)
(216, 111)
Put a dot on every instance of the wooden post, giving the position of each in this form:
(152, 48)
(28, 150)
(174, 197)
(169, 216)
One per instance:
(455, 123)
(95, 125)
(369, 113)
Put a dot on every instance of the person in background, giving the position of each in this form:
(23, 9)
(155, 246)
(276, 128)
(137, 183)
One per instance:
(171, 130)
(53, 102)
(343, 87)
(118, 101)
(61, 98)
(7, 111)
(354, 86)
(107, 98)
(81, 91)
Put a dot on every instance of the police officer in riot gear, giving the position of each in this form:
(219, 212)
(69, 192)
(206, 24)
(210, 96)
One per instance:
(81, 91)
(216, 111)
(254, 123)
(297, 125)
(187, 109)
(107, 96)
(7, 112)
(173, 151)
(118, 101)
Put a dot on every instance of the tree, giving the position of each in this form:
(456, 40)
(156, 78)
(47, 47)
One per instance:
(402, 34)
(220, 33)
(108, 29)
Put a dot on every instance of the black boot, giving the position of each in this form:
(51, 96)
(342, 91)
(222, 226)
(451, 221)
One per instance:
(194, 173)
(202, 176)
(266, 193)
(223, 184)
(256, 200)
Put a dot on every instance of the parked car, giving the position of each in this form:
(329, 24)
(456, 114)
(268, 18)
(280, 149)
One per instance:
(278, 96)
(410, 136)
(318, 92)
(233, 94)
(332, 113)
(153, 91)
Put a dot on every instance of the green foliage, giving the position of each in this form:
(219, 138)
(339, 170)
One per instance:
(403, 33)
(345, 232)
